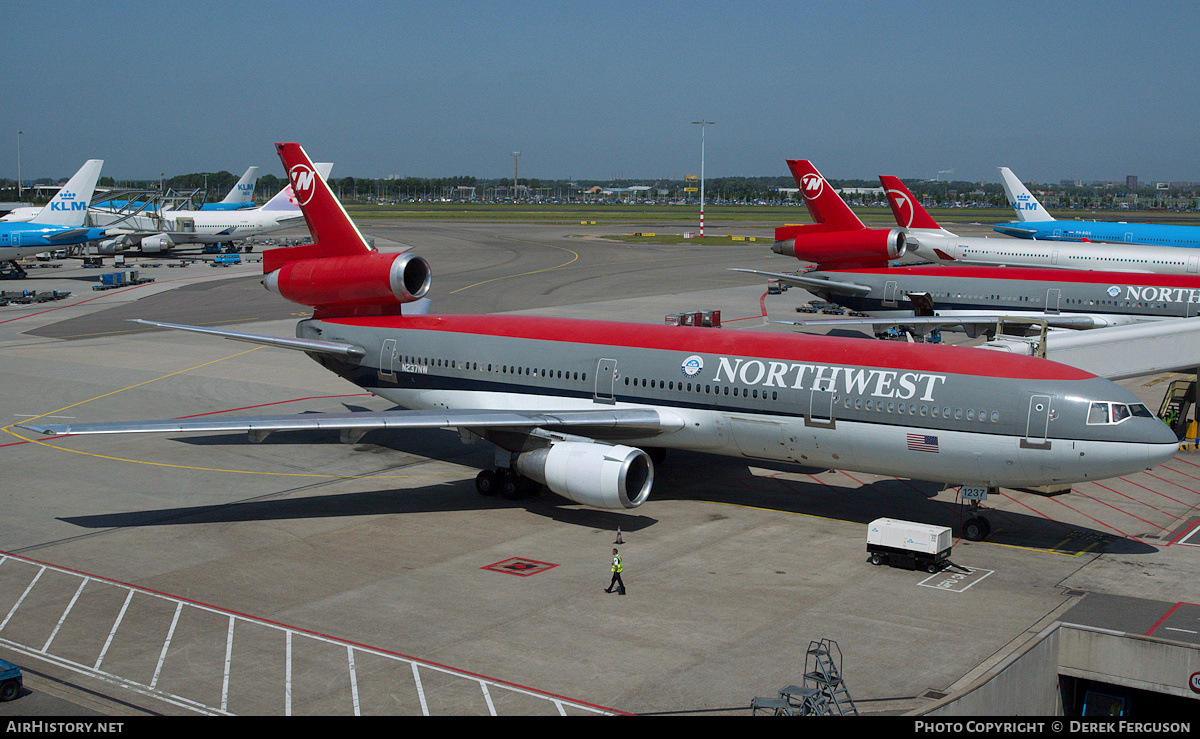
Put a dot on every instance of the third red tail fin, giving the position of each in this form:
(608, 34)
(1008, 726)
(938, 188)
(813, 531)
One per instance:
(905, 207)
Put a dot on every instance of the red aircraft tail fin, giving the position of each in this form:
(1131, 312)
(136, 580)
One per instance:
(908, 212)
(334, 234)
(824, 204)
(339, 274)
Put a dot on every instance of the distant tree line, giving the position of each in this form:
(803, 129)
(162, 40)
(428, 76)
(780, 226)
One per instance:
(717, 189)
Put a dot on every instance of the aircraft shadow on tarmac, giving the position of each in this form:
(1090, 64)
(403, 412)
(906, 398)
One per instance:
(682, 476)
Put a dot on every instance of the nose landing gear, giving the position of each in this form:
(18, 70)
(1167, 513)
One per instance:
(976, 527)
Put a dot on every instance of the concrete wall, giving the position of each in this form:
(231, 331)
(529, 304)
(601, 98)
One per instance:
(1027, 683)
(1130, 660)
(1024, 685)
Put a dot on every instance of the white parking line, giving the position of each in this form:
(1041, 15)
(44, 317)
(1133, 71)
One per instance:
(353, 679)
(143, 607)
(113, 631)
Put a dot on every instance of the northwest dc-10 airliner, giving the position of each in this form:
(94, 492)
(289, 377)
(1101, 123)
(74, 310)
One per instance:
(576, 404)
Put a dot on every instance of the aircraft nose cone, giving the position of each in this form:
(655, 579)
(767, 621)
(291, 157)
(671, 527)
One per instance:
(1163, 444)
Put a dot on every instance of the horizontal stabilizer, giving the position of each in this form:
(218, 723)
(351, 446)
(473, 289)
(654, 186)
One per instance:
(812, 283)
(348, 351)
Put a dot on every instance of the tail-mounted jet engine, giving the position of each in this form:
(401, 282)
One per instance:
(333, 283)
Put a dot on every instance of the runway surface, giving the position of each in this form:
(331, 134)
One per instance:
(197, 574)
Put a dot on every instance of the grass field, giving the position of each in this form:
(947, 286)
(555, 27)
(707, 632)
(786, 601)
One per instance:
(687, 217)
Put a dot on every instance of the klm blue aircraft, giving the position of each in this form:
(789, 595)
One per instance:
(60, 223)
(1035, 223)
(239, 198)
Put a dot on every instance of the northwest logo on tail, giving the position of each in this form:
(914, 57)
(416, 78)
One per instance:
(904, 207)
(812, 185)
(304, 180)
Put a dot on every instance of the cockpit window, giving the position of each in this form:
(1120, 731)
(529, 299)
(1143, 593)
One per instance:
(1111, 413)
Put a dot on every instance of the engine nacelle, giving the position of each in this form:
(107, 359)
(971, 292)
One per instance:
(592, 474)
(109, 246)
(870, 247)
(157, 243)
(354, 281)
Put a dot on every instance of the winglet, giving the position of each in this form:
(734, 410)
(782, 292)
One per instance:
(1023, 202)
(908, 211)
(333, 233)
(70, 206)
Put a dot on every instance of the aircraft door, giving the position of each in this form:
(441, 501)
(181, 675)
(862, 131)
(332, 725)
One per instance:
(16, 238)
(1054, 257)
(820, 409)
(606, 373)
(891, 289)
(1193, 265)
(387, 358)
(1053, 297)
(1037, 426)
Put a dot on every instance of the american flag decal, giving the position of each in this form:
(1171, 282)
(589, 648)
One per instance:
(922, 443)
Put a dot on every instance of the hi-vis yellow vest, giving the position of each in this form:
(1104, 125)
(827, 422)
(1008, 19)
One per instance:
(617, 564)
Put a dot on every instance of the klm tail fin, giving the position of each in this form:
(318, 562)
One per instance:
(333, 233)
(908, 211)
(70, 206)
(285, 199)
(243, 192)
(1023, 202)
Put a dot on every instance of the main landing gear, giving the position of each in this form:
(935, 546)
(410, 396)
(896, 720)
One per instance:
(506, 482)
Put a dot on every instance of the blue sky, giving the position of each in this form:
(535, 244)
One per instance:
(600, 90)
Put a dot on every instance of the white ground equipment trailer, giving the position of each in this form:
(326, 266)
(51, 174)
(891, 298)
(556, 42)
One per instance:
(908, 544)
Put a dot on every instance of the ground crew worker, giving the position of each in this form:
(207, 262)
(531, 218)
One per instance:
(617, 567)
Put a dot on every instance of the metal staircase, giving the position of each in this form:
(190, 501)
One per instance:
(823, 673)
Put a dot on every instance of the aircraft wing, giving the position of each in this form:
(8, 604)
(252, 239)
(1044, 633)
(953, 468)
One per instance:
(631, 423)
(68, 234)
(348, 351)
(1076, 322)
(841, 288)
(607, 423)
(1135, 350)
(1012, 230)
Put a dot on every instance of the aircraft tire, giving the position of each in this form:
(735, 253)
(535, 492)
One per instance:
(512, 486)
(974, 529)
(487, 483)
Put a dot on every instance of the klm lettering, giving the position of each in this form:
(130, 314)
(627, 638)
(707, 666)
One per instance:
(850, 380)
